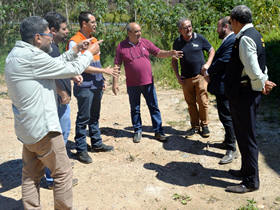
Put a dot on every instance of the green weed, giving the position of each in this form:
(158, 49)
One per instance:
(183, 199)
(251, 205)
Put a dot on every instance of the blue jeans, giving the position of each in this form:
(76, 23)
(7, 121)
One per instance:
(89, 104)
(149, 93)
(65, 124)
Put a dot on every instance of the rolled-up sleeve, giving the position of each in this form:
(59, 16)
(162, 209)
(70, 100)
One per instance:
(249, 58)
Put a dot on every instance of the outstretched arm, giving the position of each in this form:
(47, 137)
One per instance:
(169, 53)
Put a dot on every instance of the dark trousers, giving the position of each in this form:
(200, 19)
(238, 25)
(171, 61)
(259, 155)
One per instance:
(243, 109)
(89, 104)
(149, 93)
(226, 120)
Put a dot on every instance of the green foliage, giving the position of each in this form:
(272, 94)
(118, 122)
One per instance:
(272, 40)
(251, 205)
(183, 199)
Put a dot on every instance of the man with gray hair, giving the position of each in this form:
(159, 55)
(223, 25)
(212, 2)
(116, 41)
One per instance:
(193, 83)
(30, 75)
(246, 79)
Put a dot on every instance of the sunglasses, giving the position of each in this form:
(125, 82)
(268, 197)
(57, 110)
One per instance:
(46, 34)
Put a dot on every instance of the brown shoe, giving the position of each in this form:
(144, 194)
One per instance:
(240, 189)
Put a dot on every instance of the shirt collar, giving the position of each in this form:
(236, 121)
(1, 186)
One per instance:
(132, 43)
(248, 25)
(227, 37)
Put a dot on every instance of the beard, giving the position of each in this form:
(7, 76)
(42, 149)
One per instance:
(47, 49)
(222, 35)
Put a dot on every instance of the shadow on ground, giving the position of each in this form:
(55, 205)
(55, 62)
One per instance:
(10, 178)
(187, 174)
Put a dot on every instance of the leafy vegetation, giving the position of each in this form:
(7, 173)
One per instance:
(157, 18)
(251, 205)
(183, 199)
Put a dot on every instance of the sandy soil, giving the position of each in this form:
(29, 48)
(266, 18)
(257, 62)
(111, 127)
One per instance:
(150, 174)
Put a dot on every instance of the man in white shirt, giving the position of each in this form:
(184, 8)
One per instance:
(30, 75)
(246, 80)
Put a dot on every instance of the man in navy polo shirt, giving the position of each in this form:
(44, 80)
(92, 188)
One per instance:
(193, 83)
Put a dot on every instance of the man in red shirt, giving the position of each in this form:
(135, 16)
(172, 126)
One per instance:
(134, 53)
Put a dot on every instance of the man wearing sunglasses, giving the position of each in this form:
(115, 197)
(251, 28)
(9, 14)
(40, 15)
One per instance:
(134, 53)
(246, 79)
(30, 75)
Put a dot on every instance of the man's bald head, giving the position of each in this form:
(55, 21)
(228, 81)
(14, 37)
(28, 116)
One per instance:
(131, 26)
(133, 32)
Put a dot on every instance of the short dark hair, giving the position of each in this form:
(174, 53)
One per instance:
(224, 21)
(84, 17)
(242, 14)
(55, 19)
(31, 26)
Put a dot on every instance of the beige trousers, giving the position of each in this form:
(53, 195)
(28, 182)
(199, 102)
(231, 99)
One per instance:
(48, 152)
(195, 92)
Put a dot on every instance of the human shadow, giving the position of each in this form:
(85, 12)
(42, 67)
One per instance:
(191, 146)
(189, 173)
(10, 178)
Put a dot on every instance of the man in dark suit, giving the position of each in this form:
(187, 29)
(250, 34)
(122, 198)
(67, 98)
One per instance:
(246, 79)
(216, 73)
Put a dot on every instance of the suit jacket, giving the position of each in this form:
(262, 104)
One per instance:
(218, 67)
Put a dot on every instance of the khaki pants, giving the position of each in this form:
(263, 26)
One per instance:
(48, 152)
(195, 92)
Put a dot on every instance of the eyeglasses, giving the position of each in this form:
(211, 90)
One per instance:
(46, 34)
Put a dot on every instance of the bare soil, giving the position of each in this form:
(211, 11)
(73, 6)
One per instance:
(179, 174)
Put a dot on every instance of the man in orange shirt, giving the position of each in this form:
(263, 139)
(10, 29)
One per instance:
(89, 94)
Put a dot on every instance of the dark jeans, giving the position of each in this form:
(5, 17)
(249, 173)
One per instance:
(243, 109)
(89, 103)
(150, 96)
(226, 120)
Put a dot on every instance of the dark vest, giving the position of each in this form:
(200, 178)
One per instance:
(234, 67)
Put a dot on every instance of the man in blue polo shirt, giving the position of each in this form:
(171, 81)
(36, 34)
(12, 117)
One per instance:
(193, 83)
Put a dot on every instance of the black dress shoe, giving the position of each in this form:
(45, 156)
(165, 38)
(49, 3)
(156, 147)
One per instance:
(241, 188)
(229, 156)
(102, 148)
(235, 173)
(84, 157)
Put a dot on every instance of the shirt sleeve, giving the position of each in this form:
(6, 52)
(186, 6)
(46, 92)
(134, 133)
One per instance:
(249, 58)
(205, 44)
(118, 57)
(46, 67)
(152, 48)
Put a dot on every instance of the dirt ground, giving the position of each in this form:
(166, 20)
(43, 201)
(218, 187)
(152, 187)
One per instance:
(179, 174)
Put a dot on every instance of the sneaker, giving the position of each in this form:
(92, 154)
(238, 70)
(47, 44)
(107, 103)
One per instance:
(137, 137)
(84, 157)
(205, 131)
(191, 132)
(102, 148)
(160, 137)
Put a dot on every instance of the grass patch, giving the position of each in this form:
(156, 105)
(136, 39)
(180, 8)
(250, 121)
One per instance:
(251, 205)
(183, 199)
